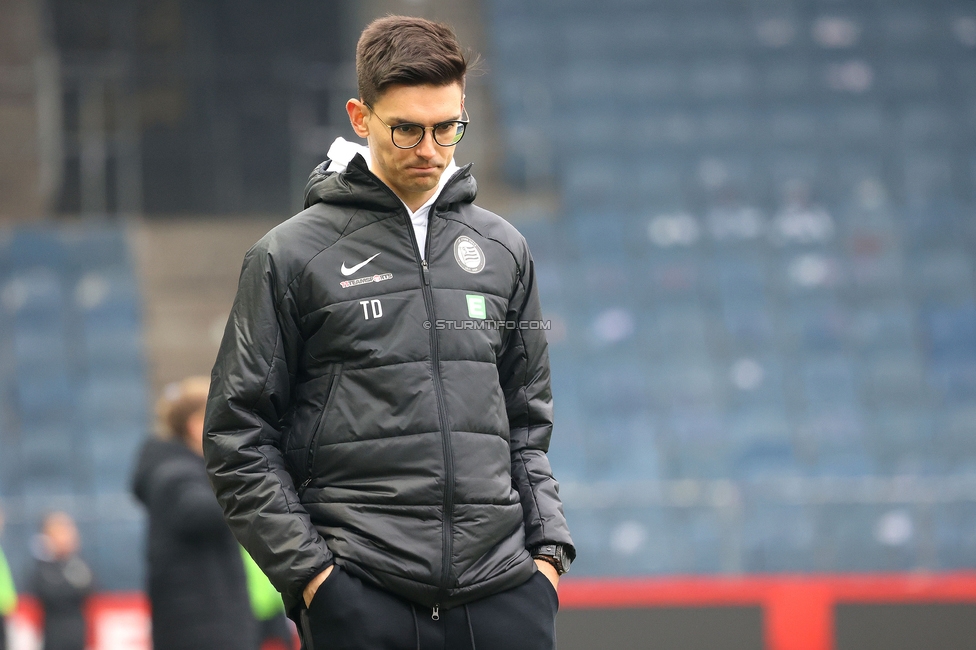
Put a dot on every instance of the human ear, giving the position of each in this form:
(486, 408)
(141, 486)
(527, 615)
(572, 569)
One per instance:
(357, 117)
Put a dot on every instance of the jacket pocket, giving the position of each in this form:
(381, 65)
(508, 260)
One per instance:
(313, 442)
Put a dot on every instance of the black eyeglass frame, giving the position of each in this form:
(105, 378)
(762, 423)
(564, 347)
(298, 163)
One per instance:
(463, 122)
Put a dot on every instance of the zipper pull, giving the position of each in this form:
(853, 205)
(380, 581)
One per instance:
(423, 263)
(301, 488)
(435, 613)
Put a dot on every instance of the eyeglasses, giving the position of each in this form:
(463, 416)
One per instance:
(408, 135)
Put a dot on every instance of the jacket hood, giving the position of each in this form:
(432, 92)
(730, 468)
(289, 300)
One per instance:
(357, 186)
(154, 453)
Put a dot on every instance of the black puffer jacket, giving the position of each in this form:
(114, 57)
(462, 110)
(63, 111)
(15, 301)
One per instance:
(345, 423)
(196, 580)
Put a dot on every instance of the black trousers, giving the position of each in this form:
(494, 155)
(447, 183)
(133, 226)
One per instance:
(349, 614)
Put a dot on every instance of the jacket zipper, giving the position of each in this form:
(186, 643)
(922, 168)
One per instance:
(310, 455)
(447, 541)
(447, 538)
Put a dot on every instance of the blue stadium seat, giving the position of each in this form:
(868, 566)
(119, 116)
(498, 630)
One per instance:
(752, 427)
(779, 538)
(784, 165)
(931, 223)
(697, 444)
(786, 78)
(44, 396)
(883, 326)
(621, 541)
(599, 235)
(832, 429)
(954, 380)
(688, 383)
(767, 461)
(955, 535)
(858, 538)
(116, 548)
(878, 275)
(113, 398)
(113, 458)
(35, 296)
(614, 383)
(713, 32)
(41, 348)
(792, 126)
(748, 323)
(676, 276)
(544, 236)
(861, 122)
(850, 464)
(910, 27)
(926, 123)
(926, 174)
(951, 330)
(903, 437)
(755, 383)
(95, 247)
(696, 534)
(894, 380)
(820, 325)
(956, 434)
(31, 248)
(677, 328)
(905, 77)
(942, 273)
(113, 350)
(613, 38)
(622, 446)
(727, 77)
(48, 462)
(741, 277)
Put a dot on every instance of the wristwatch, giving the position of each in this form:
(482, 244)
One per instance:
(554, 554)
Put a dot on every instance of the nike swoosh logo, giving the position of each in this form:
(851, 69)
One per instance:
(346, 270)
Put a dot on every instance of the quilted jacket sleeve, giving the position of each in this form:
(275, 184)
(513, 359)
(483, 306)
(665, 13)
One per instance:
(523, 369)
(250, 393)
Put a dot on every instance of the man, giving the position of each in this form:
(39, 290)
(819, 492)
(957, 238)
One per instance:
(195, 576)
(62, 583)
(377, 448)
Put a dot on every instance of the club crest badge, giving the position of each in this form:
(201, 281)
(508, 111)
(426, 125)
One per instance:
(469, 255)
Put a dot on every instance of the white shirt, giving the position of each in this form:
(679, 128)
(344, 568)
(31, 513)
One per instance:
(342, 152)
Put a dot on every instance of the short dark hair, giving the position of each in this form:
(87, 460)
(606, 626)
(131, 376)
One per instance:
(408, 51)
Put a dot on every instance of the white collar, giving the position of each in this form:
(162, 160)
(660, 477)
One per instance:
(342, 152)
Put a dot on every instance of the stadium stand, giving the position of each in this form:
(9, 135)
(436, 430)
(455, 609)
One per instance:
(73, 403)
(760, 283)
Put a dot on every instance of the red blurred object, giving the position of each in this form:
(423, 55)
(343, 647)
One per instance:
(798, 610)
(116, 621)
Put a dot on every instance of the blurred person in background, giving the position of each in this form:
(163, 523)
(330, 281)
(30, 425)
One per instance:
(197, 585)
(390, 476)
(8, 595)
(274, 629)
(62, 583)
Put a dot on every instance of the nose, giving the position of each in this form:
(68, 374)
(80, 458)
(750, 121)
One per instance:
(427, 148)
